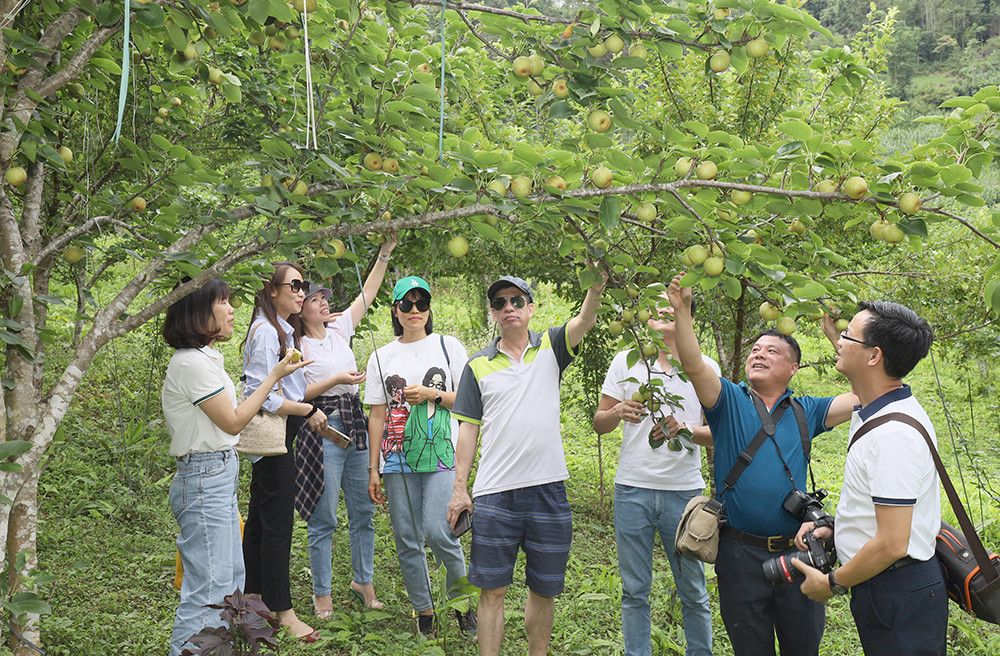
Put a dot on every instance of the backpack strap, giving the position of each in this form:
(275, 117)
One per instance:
(447, 359)
(768, 422)
(975, 544)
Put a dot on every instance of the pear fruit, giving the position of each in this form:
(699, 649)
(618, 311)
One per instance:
(560, 89)
(214, 75)
(910, 203)
(646, 212)
(741, 198)
(520, 186)
(534, 88)
(73, 254)
(757, 48)
(696, 254)
(373, 162)
(521, 66)
(296, 355)
(337, 248)
(797, 227)
(842, 324)
(683, 166)
(458, 246)
(713, 266)
(615, 328)
(599, 120)
(785, 325)
(556, 182)
(769, 312)
(138, 204)
(706, 170)
(497, 187)
(614, 44)
(65, 154)
(601, 177)
(855, 187)
(390, 165)
(597, 51)
(894, 234)
(537, 64)
(826, 187)
(719, 61)
(638, 50)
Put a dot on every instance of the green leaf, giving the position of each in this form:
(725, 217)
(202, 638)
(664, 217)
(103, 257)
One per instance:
(798, 130)
(177, 37)
(732, 288)
(810, 290)
(24, 603)
(486, 230)
(14, 448)
(632, 357)
(610, 213)
(992, 295)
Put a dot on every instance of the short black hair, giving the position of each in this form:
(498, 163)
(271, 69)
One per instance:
(899, 332)
(189, 322)
(787, 339)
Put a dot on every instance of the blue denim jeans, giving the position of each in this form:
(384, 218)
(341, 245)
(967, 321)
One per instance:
(639, 514)
(203, 500)
(418, 509)
(347, 470)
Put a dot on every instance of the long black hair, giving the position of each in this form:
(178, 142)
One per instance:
(190, 321)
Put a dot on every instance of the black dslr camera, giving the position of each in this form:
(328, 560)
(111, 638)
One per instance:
(820, 554)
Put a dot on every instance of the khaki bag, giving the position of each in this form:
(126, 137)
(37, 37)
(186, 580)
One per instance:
(265, 434)
(698, 530)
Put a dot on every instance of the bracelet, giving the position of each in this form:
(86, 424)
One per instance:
(383, 258)
(315, 409)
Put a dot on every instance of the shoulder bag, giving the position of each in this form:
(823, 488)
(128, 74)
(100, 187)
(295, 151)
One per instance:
(698, 529)
(971, 574)
(265, 434)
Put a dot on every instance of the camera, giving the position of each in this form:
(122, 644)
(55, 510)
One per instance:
(819, 553)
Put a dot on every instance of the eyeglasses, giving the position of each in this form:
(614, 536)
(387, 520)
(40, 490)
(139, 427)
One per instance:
(500, 302)
(296, 285)
(844, 335)
(423, 305)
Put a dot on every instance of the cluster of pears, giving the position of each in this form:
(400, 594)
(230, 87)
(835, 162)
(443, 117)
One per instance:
(711, 258)
(649, 396)
(757, 48)
(633, 315)
(705, 169)
(375, 162)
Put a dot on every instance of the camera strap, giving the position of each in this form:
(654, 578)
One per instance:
(769, 423)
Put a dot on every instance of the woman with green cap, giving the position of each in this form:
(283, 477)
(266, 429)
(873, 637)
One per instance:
(410, 389)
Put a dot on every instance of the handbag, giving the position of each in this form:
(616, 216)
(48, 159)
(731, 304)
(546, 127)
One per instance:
(265, 434)
(698, 529)
(971, 574)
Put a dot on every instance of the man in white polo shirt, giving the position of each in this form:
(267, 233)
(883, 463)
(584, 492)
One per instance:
(889, 512)
(510, 392)
(653, 485)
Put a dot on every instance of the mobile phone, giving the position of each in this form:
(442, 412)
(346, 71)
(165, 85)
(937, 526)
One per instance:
(335, 436)
(464, 523)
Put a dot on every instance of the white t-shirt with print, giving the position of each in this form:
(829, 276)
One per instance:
(397, 365)
(891, 465)
(331, 355)
(639, 464)
(194, 376)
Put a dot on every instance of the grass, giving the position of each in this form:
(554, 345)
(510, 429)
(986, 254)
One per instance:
(107, 534)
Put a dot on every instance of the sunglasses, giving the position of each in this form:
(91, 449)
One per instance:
(423, 304)
(844, 335)
(296, 285)
(500, 302)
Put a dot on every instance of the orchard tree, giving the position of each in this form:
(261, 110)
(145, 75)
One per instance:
(637, 138)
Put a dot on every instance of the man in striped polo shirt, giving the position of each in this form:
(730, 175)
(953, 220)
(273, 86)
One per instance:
(509, 392)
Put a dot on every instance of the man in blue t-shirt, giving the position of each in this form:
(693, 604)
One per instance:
(758, 527)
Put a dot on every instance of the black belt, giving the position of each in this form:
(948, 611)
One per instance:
(773, 543)
(902, 562)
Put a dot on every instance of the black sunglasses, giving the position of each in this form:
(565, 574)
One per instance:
(500, 302)
(423, 304)
(844, 335)
(296, 285)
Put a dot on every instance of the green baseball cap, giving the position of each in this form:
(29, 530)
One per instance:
(407, 284)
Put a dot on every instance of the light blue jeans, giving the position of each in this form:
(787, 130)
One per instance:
(347, 470)
(639, 514)
(203, 500)
(418, 508)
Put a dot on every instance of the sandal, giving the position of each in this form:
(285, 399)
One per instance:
(370, 604)
(321, 613)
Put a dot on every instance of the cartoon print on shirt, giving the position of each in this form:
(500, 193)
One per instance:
(398, 414)
(430, 450)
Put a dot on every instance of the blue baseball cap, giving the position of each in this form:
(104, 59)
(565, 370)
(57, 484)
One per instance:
(407, 284)
(509, 281)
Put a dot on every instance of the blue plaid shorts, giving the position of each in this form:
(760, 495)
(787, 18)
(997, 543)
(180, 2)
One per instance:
(537, 519)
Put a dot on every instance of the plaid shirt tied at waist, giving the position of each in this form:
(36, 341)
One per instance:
(309, 480)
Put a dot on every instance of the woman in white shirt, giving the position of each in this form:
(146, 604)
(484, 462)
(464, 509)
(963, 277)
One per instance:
(204, 421)
(267, 537)
(410, 387)
(325, 463)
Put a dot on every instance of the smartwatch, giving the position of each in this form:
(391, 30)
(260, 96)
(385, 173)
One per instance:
(835, 587)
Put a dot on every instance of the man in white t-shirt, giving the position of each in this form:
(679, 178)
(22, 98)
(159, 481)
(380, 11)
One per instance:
(654, 484)
(889, 512)
(510, 392)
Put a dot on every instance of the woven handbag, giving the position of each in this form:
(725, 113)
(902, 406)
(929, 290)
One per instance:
(265, 434)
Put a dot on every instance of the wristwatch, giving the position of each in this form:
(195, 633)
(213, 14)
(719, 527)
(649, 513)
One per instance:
(437, 400)
(835, 587)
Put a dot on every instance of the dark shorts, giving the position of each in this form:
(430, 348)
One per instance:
(537, 519)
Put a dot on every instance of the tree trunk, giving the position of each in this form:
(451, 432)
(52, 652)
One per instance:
(22, 536)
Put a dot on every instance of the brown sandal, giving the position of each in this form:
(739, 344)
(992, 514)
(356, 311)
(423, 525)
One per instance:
(370, 604)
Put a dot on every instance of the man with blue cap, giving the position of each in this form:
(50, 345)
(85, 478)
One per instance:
(509, 393)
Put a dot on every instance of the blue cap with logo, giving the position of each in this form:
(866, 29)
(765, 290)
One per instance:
(407, 284)
(509, 281)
